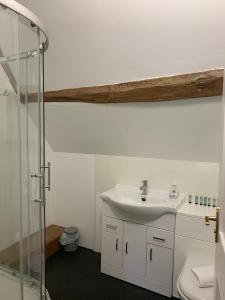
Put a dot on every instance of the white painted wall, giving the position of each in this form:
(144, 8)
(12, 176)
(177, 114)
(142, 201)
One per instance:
(189, 130)
(73, 193)
(191, 177)
(99, 42)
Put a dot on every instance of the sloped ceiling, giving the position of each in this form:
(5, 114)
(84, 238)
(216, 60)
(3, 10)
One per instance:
(187, 130)
(5, 85)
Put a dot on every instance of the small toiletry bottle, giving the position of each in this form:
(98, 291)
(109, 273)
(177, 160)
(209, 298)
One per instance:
(190, 199)
(205, 201)
(209, 201)
(196, 199)
(201, 200)
(214, 202)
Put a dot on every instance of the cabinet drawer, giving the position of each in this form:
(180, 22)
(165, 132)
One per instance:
(160, 237)
(194, 227)
(112, 225)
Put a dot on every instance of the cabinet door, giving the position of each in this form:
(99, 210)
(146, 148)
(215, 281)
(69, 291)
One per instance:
(134, 248)
(111, 253)
(111, 250)
(159, 269)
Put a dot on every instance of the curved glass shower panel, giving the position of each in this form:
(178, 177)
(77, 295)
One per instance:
(10, 202)
(22, 172)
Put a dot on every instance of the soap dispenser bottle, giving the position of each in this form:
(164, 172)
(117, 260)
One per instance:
(173, 190)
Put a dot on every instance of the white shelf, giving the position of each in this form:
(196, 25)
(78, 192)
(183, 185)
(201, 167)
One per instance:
(193, 210)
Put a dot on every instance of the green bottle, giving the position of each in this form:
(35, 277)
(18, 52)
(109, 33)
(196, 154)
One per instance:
(196, 199)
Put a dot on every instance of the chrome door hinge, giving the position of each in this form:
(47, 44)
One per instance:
(40, 201)
(36, 175)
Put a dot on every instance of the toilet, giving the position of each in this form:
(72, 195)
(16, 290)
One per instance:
(187, 284)
(194, 247)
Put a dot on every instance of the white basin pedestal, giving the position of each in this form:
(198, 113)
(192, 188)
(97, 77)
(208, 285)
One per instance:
(128, 202)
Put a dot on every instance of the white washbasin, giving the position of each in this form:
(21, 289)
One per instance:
(127, 200)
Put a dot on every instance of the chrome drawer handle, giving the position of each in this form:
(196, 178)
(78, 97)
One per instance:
(111, 226)
(158, 239)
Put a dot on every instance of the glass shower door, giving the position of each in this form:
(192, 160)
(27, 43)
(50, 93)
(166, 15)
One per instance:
(32, 158)
(10, 200)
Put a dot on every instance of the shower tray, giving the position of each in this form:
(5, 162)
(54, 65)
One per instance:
(10, 287)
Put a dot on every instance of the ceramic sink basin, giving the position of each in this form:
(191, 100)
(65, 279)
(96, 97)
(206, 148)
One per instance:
(127, 201)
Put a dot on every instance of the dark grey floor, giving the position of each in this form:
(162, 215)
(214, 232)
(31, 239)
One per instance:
(77, 276)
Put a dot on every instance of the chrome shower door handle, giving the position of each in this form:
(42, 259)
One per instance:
(48, 167)
(150, 254)
(117, 243)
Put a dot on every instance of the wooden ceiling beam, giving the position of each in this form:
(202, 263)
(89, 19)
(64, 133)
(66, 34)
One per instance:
(194, 85)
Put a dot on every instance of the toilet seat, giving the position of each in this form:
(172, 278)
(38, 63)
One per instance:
(187, 285)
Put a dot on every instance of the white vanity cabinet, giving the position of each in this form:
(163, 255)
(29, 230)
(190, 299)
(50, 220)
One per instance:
(137, 253)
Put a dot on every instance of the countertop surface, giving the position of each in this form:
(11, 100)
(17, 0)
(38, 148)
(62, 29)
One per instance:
(196, 210)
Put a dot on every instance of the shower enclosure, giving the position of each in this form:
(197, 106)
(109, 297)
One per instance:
(23, 41)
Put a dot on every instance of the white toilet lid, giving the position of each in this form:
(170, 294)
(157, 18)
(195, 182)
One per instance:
(189, 286)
